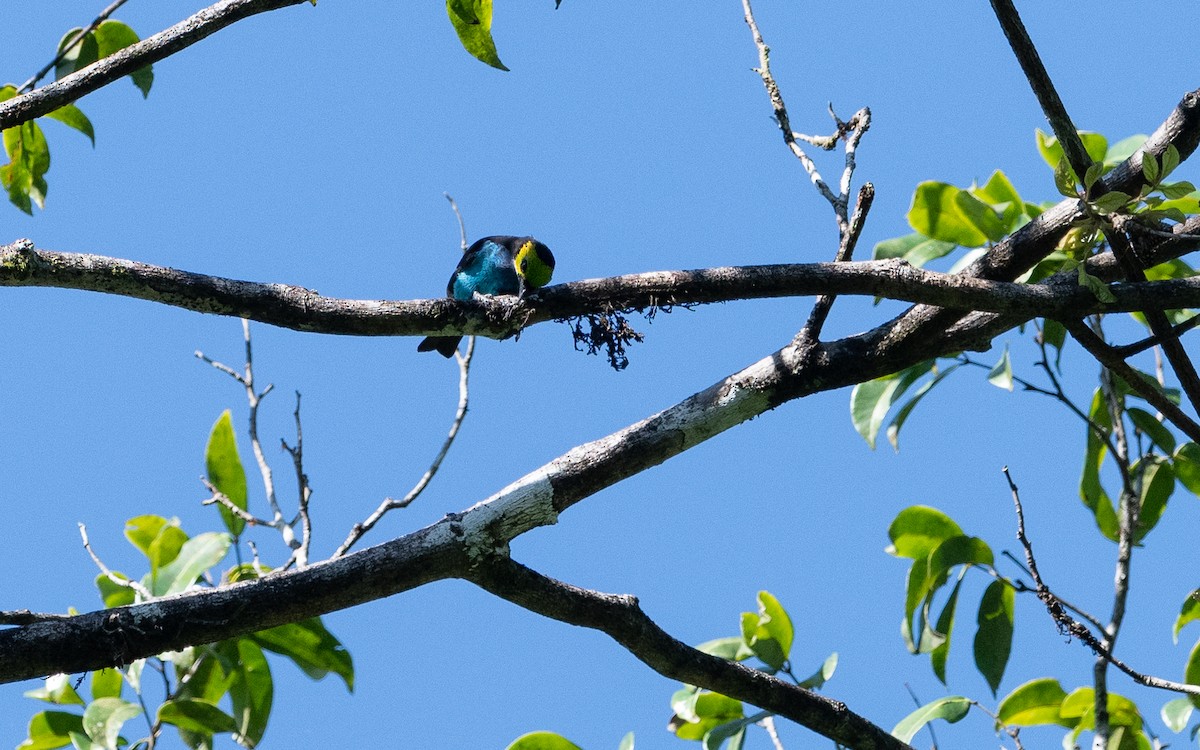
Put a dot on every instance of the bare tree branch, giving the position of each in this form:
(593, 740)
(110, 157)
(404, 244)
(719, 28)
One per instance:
(623, 620)
(302, 309)
(1047, 96)
(50, 97)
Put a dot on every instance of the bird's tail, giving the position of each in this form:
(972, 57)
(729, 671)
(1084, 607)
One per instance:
(443, 345)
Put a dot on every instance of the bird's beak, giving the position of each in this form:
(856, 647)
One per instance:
(522, 287)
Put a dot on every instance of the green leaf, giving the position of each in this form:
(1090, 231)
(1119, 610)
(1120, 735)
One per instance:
(112, 594)
(51, 729)
(733, 731)
(1034, 703)
(313, 648)
(1091, 491)
(1055, 335)
(1176, 713)
(871, 401)
(83, 53)
(1177, 190)
(626, 742)
(951, 708)
(945, 626)
(925, 580)
(1123, 149)
(1080, 706)
(915, 248)
(194, 715)
(1170, 160)
(769, 633)
(112, 36)
(252, 691)
(918, 530)
(81, 741)
(1112, 202)
(472, 20)
(197, 555)
(57, 689)
(104, 717)
(1158, 482)
(106, 683)
(993, 640)
(1191, 672)
(1051, 150)
(903, 413)
(732, 648)
(1150, 168)
(1152, 428)
(699, 714)
(159, 539)
(73, 117)
(999, 193)
(225, 471)
(822, 675)
(542, 741)
(1187, 466)
(944, 212)
(1189, 612)
(1001, 374)
(1064, 179)
(29, 160)
(204, 672)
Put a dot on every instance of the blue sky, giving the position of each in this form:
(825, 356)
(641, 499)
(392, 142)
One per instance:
(312, 146)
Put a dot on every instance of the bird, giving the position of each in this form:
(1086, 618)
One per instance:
(494, 265)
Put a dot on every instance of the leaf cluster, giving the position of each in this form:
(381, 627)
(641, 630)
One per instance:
(24, 176)
(208, 690)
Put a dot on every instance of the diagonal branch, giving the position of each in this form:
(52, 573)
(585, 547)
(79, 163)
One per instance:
(1047, 96)
(165, 43)
(621, 618)
(66, 48)
(1108, 357)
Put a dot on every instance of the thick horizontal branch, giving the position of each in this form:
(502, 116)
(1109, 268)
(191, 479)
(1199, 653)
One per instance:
(621, 618)
(70, 88)
(119, 636)
(305, 310)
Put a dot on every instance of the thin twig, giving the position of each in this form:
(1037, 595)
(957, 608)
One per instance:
(1128, 350)
(388, 504)
(917, 702)
(462, 227)
(810, 334)
(781, 116)
(856, 128)
(768, 723)
(66, 48)
(119, 581)
(1019, 585)
(304, 489)
(1072, 626)
(220, 498)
